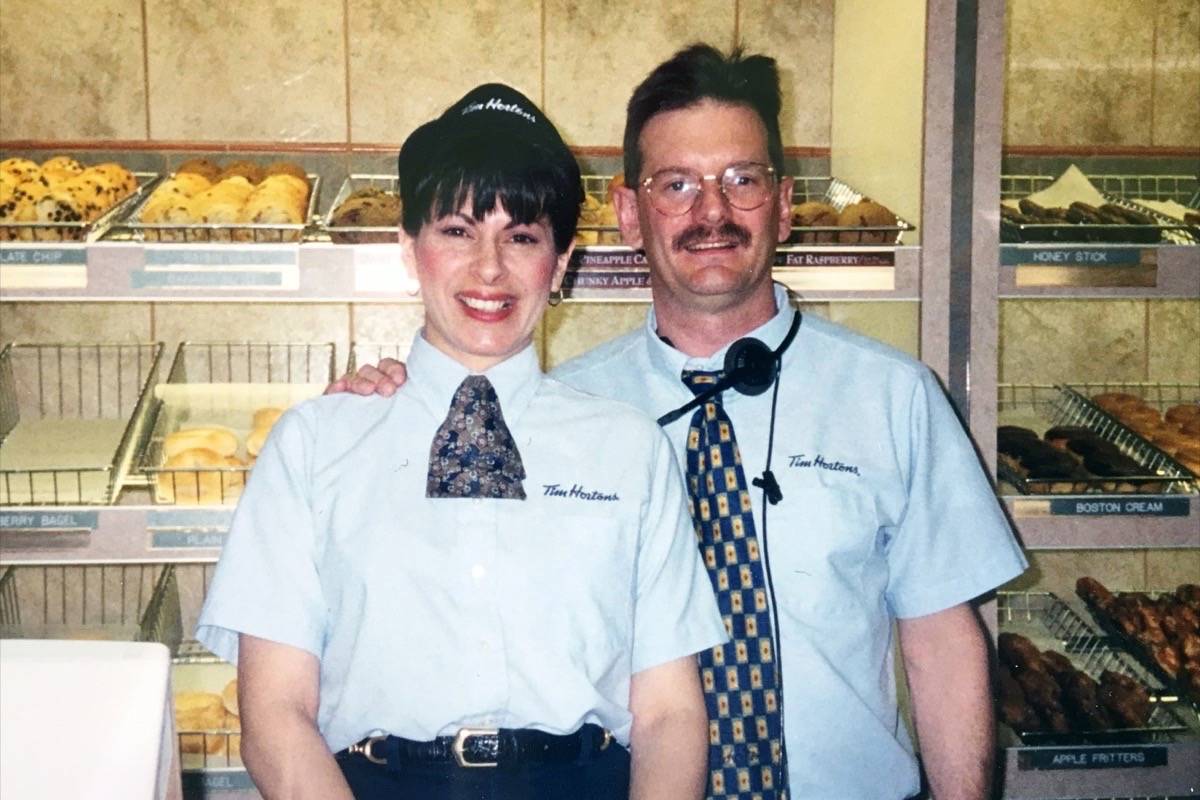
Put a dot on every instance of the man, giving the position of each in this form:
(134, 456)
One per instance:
(883, 514)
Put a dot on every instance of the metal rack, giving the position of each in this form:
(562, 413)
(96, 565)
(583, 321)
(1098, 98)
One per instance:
(1060, 405)
(360, 234)
(43, 385)
(221, 383)
(1121, 190)
(82, 231)
(125, 602)
(1051, 623)
(209, 232)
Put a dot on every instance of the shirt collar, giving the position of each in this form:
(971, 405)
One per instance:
(434, 377)
(666, 358)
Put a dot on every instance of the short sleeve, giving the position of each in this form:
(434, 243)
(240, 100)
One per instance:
(266, 582)
(953, 542)
(676, 613)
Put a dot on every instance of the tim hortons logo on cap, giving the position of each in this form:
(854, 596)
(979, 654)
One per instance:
(495, 104)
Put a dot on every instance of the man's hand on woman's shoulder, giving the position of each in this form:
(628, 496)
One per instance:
(382, 379)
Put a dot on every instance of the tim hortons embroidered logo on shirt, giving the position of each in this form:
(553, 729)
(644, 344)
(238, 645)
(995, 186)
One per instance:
(578, 492)
(805, 461)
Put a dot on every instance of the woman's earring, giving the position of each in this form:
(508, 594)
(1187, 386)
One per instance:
(556, 297)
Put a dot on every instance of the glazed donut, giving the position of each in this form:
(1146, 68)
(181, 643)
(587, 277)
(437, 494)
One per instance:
(221, 441)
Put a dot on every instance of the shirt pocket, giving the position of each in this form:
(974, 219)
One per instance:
(578, 576)
(823, 547)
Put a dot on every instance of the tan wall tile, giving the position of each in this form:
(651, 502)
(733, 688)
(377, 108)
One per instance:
(1079, 72)
(1177, 73)
(71, 70)
(1166, 569)
(1057, 570)
(274, 323)
(799, 36)
(411, 59)
(1048, 341)
(264, 71)
(1174, 341)
(897, 324)
(385, 330)
(38, 323)
(596, 52)
(574, 328)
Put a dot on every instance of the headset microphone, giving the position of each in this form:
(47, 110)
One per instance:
(750, 368)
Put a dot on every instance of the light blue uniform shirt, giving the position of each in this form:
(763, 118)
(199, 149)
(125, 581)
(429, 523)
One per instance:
(886, 513)
(429, 615)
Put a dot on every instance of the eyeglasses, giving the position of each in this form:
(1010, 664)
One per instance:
(746, 186)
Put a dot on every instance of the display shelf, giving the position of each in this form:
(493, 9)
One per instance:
(1093, 521)
(1157, 770)
(326, 272)
(112, 534)
(1099, 270)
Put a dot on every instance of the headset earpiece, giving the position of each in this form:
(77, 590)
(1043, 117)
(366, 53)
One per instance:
(751, 365)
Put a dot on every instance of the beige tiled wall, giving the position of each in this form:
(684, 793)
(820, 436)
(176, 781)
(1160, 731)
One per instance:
(1057, 570)
(1051, 341)
(1103, 72)
(367, 71)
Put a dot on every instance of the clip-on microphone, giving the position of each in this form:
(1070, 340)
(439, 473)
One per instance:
(750, 369)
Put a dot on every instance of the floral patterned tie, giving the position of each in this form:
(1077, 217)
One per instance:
(473, 453)
(746, 759)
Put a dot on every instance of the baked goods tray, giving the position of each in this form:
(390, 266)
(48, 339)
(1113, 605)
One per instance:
(1040, 407)
(70, 418)
(1122, 191)
(1169, 650)
(599, 218)
(837, 193)
(226, 395)
(1053, 624)
(1160, 396)
(83, 231)
(360, 234)
(213, 232)
(111, 602)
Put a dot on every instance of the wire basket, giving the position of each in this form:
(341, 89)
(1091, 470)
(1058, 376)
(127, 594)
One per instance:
(225, 386)
(361, 234)
(831, 191)
(214, 232)
(70, 417)
(1120, 190)
(82, 231)
(1041, 406)
(1052, 624)
(115, 602)
(374, 352)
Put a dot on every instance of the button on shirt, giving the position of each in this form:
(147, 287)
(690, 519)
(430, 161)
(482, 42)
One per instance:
(886, 513)
(429, 615)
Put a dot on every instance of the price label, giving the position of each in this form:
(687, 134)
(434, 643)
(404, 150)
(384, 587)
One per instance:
(217, 267)
(840, 258)
(197, 528)
(381, 268)
(1132, 757)
(38, 267)
(1114, 507)
(49, 520)
(1086, 267)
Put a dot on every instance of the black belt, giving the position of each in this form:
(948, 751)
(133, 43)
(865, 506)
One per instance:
(485, 747)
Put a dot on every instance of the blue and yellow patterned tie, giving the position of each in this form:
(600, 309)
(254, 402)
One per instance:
(473, 453)
(741, 686)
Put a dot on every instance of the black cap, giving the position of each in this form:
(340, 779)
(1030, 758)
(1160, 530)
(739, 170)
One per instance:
(483, 114)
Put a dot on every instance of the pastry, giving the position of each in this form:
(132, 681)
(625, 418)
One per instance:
(201, 476)
(368, 208)
(20, 169)
(1183, 413)
(221, 441)
(229, 698)
(864, 214)
(200, 166)
(814, 214)
(267, 416)
(242, 168)
(286, 168)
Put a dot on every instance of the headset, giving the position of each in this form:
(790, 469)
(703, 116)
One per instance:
(751, 368)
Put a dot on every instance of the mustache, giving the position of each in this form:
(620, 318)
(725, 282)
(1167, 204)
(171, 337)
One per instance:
(700, 233)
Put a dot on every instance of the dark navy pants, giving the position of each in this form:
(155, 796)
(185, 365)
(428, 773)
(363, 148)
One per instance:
(604, 776)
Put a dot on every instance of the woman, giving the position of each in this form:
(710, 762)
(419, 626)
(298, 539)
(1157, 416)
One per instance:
(487, 568)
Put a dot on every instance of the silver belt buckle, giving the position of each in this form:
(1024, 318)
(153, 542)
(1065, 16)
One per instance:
(460, 742)
(364, 748)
